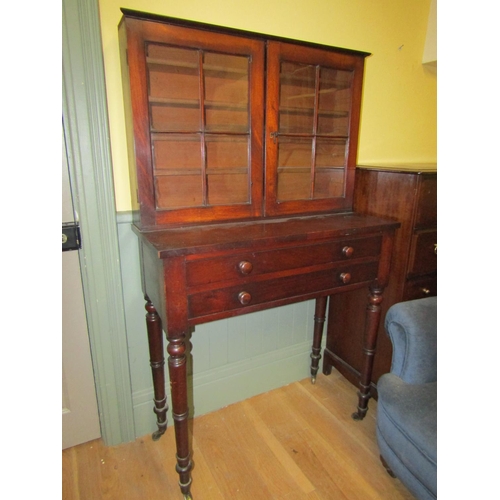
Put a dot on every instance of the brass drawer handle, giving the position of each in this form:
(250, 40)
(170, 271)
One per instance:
(426, 291)
(345, 278)
(347, 251)
(244, 298)
(435, 248)
(245, 267)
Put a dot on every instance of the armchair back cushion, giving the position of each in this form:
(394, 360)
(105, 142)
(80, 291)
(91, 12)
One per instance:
(412, 328)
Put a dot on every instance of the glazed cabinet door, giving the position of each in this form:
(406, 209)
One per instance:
(197, 109)
(312, 121)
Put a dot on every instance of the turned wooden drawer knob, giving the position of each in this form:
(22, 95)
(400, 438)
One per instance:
(345, 278)
(347, 251)
(244, 298)
(245, 267)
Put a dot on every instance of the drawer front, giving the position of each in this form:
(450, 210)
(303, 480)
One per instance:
(264, 291)
(249, 264)
(419, 288)
(423, 253)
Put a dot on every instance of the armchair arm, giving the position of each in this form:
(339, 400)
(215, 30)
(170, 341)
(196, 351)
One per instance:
(412, 328)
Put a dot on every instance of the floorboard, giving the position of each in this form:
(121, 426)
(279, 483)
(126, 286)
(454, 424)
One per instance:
(297, 442)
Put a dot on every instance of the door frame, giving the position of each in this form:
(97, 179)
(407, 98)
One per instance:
(86, 129)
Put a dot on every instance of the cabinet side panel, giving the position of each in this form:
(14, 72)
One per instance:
(134, 64)
(392, 195)
(426, 212)
(129, 127)
(152, 280)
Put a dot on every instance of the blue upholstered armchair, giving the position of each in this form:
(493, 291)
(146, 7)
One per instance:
(407, 398)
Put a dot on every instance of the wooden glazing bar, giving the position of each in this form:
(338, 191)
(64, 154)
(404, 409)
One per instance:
(315, 130)
(203, 126)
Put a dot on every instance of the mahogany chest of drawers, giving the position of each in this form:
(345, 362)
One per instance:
(408, 195)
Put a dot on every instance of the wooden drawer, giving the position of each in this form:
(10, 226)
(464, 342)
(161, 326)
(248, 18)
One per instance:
(423, 253)
(261, 291)
(249, 264)
(419, 288)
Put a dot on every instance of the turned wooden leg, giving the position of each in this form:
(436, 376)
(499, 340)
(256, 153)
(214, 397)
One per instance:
(157, 361)
(369, 346)
(319, 321)
(178, 382)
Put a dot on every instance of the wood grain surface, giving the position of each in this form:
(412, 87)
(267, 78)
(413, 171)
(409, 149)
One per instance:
(296, 442)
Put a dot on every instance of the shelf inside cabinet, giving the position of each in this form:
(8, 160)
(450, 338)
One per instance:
(206, 67)
(337, 133)
(310, 111)
(198, 171)
(195, 103)
(294, 79)
(307, 169)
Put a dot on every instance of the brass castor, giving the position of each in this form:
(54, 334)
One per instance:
(157, 434)
(357, 416)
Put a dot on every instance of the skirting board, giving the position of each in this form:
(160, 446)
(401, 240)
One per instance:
(229, 384)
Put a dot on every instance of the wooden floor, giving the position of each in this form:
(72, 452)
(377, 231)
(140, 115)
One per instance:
(296, 442)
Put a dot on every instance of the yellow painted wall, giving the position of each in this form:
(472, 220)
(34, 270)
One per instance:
(398, 121)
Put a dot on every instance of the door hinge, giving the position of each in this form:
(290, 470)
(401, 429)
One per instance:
(71, 236)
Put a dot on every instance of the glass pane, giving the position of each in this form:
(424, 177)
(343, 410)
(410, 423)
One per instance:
(226, 92)
(330, 168)
(297, 89)
(178, 191)
(174, 88)
(177, 171)
(334, 102)
(227, 170)
(294, 169)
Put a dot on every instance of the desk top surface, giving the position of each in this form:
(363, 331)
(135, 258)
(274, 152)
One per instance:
(220, 237)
